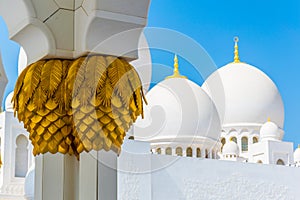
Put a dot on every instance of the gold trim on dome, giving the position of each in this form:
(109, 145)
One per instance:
(176, 73)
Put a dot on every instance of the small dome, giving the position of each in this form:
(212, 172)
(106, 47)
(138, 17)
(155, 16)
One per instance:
(269, 131)
(297, 155)
(231, 148)
(244, 94)
(178, 109)
(29, 183)
(8, 103)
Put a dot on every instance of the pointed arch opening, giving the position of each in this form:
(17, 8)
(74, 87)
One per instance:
(223, 141)
(189, 152)
(254, 140)
(206, 153)
(280, 162)
(198, 153)
(179, 151)
(168, 151)
(21, 156)
(244, 144)
(233, 139)
(158, 150)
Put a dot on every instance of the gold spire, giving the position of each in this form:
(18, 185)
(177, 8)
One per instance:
(176, 73)
(236, 50)
(269, 119)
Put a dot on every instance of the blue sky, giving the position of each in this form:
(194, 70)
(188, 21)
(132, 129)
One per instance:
(269, 33)
(9, 52)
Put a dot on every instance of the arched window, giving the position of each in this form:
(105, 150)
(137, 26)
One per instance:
(21, 156)
(198, 152)
(223, 141)
(131, 137)
(233, 139)
(169, 151)
(158, 150)
(259, 162)
(179, 151)
(255, 140)
(280, 162)
(244, 144)
(206, 153)
(189, 152)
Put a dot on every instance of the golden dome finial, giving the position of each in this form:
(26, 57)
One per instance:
(176, 73)
(176, 65)
(236, 50)
(269, 119)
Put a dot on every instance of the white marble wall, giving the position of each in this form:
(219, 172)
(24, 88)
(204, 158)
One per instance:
(10, 183)
(197, 179)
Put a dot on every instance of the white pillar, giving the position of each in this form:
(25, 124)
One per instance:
(210, 154)
(56, 177)
(184, 152)
(63, 177)
(194, 152)
(88, 170)
(203, 153)
(174, 151)
(107, 175)
(38, 178)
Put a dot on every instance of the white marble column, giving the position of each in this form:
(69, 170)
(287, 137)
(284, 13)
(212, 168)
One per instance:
(107, 175)
(174, 151)
(203, 152)
(194, 152)
(56, 177)
(88, 170)
(184, 152)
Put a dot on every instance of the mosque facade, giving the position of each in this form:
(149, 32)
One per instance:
(189, 140)
(221, 140)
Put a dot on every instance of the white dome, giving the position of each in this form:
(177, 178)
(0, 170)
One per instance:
(244, 94)
(269, 131)
(230, 148)
(8, 103)
(29, 183)
(178, 109)
(297, 155)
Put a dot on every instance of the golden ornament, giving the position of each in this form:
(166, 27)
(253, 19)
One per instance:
(71, 106)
